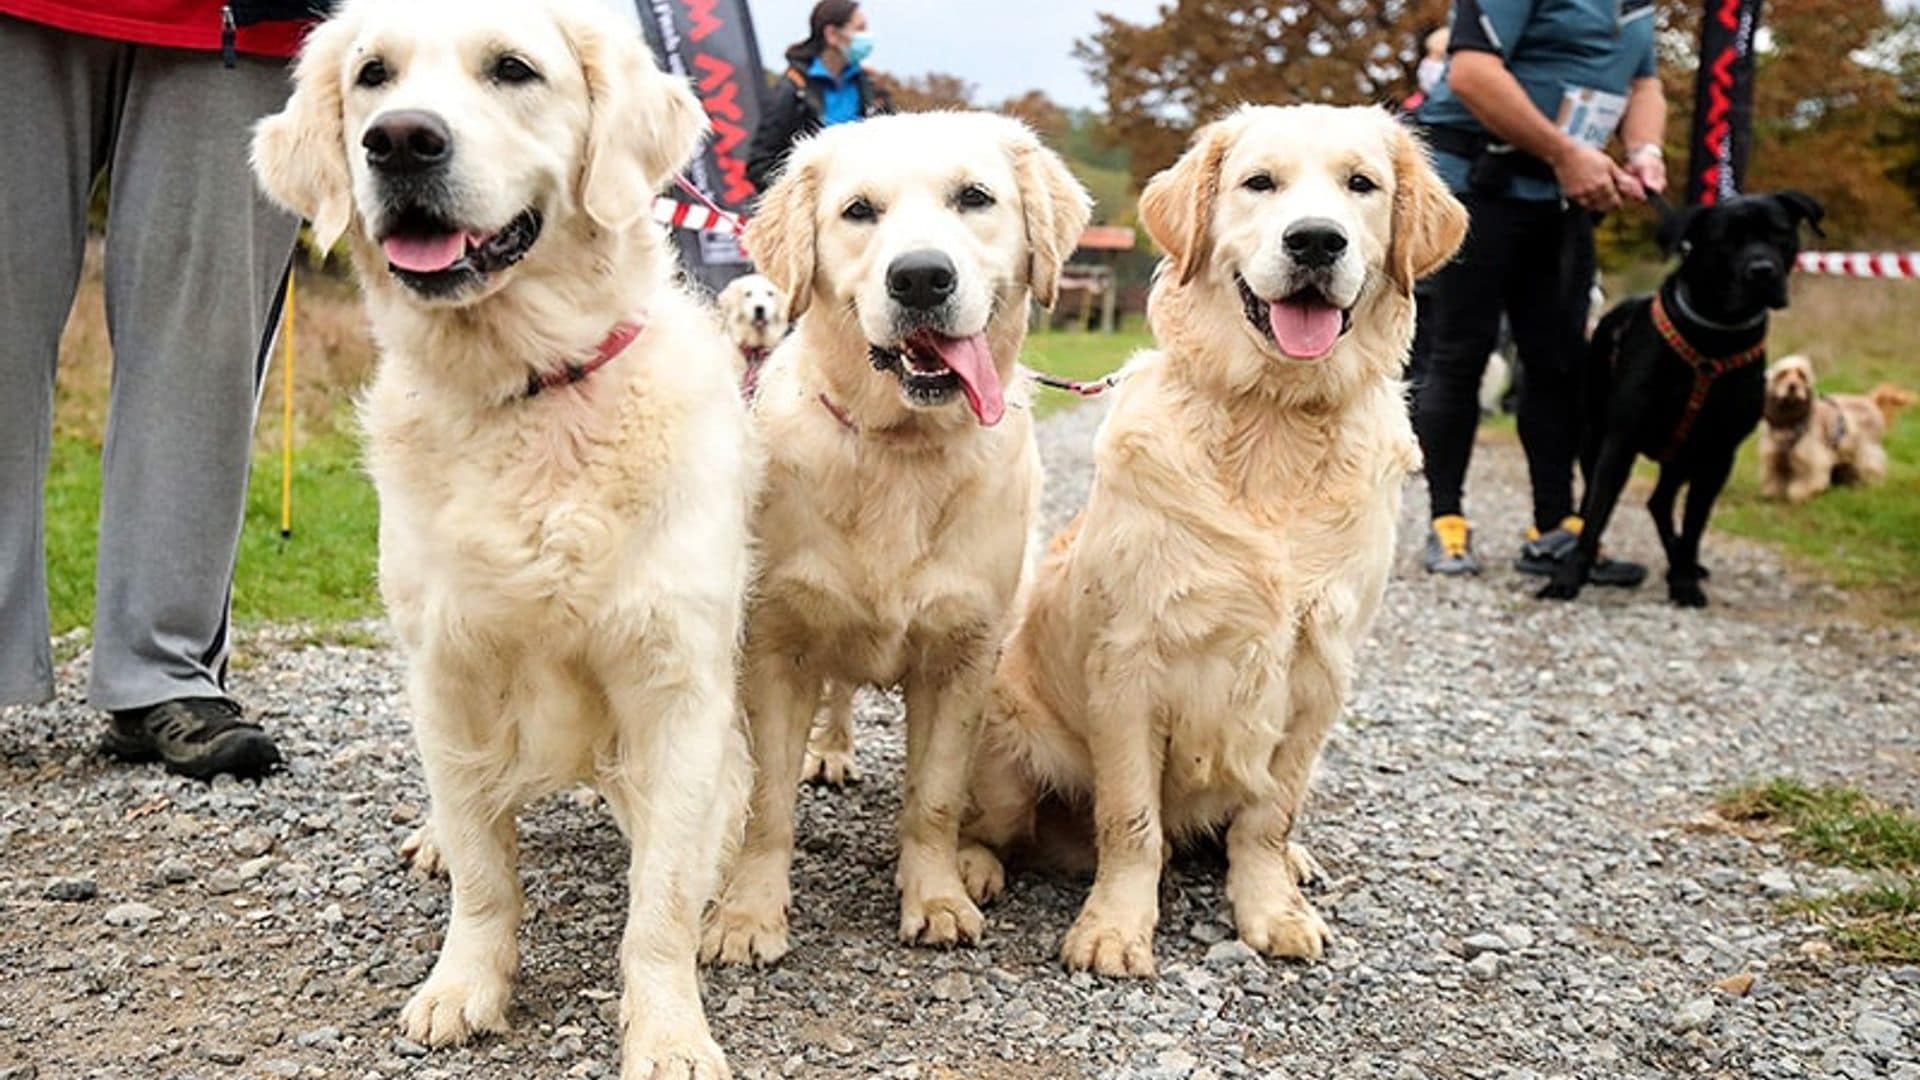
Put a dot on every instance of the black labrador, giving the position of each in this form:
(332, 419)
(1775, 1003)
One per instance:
(1680, 376)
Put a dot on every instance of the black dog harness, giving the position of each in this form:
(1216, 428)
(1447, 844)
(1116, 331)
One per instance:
(1706, 371)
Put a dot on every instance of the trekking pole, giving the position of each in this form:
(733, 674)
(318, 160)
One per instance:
(286, 417)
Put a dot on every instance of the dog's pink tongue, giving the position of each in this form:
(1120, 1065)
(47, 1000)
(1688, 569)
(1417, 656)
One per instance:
(425, 254)
(972, 360)
(1306, 328)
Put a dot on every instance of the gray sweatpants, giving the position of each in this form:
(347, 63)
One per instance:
(193, 262)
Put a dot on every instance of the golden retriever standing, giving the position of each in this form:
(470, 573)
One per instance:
(901, 484)
(1181, 657)
(1812, 441)
(564, 496)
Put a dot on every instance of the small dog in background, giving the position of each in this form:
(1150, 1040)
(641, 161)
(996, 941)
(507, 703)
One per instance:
(754, 313)
(1813, 441)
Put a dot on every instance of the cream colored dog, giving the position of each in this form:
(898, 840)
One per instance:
(755, 317)
(1181, 657)
(1812, 441)
(564, 496)
(902, 483)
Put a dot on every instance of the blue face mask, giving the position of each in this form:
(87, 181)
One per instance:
(860, 47)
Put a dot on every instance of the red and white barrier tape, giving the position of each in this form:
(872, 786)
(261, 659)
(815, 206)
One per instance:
(1862, 264)
(685, 215)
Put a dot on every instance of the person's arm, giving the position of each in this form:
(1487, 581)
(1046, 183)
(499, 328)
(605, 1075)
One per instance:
(1642, 129)
(1588, 176)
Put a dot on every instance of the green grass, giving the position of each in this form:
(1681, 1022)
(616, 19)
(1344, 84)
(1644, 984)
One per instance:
(1078, 355)
(1859, 334)
(1841, 826)
(323, 575)
(1881, 922)
(1835, 826)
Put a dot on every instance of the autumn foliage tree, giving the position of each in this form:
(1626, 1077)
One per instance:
(1837, 103)
(1204, 57)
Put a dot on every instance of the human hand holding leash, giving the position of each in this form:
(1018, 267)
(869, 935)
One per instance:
(1589, 177)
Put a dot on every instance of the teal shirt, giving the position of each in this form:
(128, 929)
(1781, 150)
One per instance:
(1550, 46)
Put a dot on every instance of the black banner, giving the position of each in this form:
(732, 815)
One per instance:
(1723, 101)
(712, 44)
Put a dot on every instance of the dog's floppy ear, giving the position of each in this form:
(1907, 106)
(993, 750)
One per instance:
(1429, 224)
(1177, 206)
(1803, 207)
(1057, 209)
(1675, 230)
(643, 127)
(300, 152)
(780, 235)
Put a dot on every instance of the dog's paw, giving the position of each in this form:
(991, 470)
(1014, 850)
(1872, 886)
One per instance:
(833, 768)
(739, 935)
(1687, 595)
(450, 1009)
(660, 1057)
(1558, 590)
(1105, 947)
(1294, 933)
(422, 855)
(1303, 866)
(982, 873)
(940, 921)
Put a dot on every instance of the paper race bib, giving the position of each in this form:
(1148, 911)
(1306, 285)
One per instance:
(1591, 116)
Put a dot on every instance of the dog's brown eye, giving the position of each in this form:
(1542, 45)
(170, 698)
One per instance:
(1259, 182)
(373, 74)
(1361, 184)
(860, 210)
(513, 71)
(974, 197)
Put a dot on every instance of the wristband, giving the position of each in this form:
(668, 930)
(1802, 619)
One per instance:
(1653, 150)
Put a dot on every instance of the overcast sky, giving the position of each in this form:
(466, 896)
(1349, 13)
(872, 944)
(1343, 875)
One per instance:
(1005, 46)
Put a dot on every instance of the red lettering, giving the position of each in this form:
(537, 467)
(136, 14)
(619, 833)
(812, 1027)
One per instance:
(711, 71)
(701, 21)
(1729, 14)
(736, 189)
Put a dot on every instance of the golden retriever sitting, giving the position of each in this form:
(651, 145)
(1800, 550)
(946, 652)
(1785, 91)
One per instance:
(1182, 654)
(564, 494)
(902, 480)
(1812, 441)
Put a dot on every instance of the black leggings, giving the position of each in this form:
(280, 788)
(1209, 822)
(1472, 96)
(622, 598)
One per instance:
(1534, 261)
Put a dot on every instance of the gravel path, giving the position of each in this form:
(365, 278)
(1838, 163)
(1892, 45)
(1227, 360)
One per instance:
(1525, 879)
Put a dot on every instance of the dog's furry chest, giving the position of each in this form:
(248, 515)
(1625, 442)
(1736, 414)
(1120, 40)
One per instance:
(862, 572)
(1249, 606)
(510, 523)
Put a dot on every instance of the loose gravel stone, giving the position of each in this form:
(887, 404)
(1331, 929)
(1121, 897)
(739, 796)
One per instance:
(71, 889)
(131, 914)
(1532, 773)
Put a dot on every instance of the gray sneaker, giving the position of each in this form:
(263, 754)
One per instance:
(196, 737)
(1542, 555)
(1450, 548)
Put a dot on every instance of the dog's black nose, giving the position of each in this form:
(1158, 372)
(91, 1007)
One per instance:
(1761, 271)
(1315, 242)
(407, 141)
(922, 280)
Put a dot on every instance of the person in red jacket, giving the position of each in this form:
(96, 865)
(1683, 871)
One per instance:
(158, 96)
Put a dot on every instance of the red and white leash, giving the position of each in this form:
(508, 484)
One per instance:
(701, 215)
(1861, 264)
